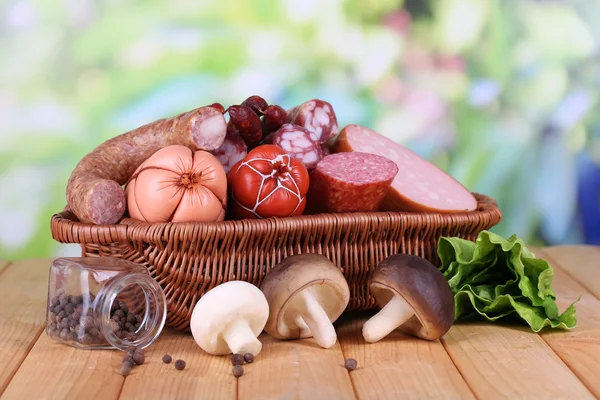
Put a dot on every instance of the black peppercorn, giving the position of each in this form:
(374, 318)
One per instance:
(237, 359)
(238, 371)
(350, 364)
(179, 365)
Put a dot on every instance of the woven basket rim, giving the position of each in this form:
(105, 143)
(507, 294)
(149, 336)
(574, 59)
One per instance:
(78, 232)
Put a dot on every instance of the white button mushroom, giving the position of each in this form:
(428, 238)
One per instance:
(229, 318)
(306, 294)
(414, 296)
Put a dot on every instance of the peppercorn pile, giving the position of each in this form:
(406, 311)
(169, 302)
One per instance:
(72, 318)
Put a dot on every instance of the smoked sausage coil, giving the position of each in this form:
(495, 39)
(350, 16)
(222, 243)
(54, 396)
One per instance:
(350, 182)
(295, 141)
(420, 185)
(318, 117)
(94, 190)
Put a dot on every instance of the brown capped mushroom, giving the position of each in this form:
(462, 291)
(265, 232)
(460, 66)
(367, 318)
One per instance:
(413, 295)
(306, 294)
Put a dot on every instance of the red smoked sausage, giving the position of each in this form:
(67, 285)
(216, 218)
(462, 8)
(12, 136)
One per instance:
(268, 183)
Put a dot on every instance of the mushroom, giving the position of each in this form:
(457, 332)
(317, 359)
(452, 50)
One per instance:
(228, 319)
(306, 294)
(413, 295)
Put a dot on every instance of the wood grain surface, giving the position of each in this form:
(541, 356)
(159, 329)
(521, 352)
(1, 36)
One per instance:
(473, 360)
(400, 366)
(580, 347)
(23, 290)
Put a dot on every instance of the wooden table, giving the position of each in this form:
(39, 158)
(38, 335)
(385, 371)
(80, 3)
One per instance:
(473, 360)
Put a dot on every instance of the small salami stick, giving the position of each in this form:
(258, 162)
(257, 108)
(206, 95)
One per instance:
(257, 104)
(273, 119)
(243, 120)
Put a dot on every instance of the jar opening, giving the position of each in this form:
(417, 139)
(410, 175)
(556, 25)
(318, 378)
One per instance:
(132, 311)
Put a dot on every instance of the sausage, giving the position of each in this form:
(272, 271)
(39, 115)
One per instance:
(94, 190)
(318, 117)
(268, 183)
(421, 186)
(350, 182)
(246, 123)
(257, 104)
(232, 150)
(296, 141)
(274, 117)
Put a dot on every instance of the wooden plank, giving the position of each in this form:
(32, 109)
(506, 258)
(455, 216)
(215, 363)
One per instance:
(504, 361)
(3, 265)
(58, 371)
(582, 263)
(204, 377)
(579, 348)
(400, 366)
(23, 289)
(295, 369)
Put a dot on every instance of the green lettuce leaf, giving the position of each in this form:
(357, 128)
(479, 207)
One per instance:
(500, 278)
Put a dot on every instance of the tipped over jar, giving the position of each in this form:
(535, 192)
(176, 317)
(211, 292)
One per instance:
(103, 303)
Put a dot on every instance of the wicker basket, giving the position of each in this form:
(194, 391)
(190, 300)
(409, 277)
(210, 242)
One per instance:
(188, 259)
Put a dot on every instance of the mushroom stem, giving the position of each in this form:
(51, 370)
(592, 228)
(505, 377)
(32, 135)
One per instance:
(240, 338)
(316, 319)
(395, 313)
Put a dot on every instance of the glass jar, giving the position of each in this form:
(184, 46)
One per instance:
(103, 303)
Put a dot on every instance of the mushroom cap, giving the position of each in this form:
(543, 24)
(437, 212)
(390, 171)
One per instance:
(220, 307)
(423, 287)
(294, 274)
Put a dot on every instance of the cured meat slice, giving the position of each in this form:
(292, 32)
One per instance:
(350, 182)
(419, 186)
(318, 117)
(295, 141)
(232, 150)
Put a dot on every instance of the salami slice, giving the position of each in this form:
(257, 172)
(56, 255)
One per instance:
(420, 185)
(350, 182)
(295, 141)
(232, 150)
(318, 117)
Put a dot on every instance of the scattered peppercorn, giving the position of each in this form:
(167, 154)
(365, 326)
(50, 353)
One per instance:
(167, 359)
(248, 357)
(350, 364)
(179, 365)
(237, 359)
(238, 371)
(138, 357)
(126, 368)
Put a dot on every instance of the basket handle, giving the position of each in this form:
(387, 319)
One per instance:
(66, 228)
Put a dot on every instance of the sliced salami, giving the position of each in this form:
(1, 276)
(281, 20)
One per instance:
(296, 141)
(350, 182)
(232, 150)
(318, 117)
(420, 185)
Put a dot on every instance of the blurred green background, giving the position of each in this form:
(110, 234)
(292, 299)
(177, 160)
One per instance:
(501, 94)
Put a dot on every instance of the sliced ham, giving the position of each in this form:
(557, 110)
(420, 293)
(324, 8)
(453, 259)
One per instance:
(419, 186)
